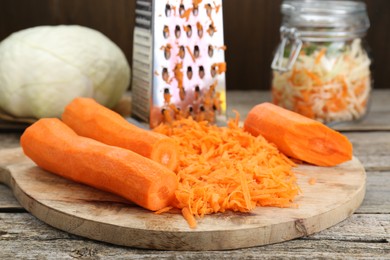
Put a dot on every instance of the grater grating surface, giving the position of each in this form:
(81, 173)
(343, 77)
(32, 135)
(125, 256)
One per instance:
(179, 61)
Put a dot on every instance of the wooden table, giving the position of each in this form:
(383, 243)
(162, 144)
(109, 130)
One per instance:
(366, 234)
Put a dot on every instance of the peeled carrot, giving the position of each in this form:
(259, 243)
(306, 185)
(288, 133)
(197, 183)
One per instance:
(90, 119)
(55, 147)
(298, 136)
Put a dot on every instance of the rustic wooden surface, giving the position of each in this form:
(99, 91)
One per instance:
(364, 235)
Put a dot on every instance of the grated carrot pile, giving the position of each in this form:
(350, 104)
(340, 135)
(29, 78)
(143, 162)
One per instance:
(225, 168)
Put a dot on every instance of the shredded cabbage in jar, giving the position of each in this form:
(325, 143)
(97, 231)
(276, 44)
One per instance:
(328, 82)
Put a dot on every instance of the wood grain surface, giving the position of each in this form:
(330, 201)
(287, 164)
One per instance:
(84, 211)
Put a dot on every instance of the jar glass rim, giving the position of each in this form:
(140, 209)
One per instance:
(335, 15)
(344, 7)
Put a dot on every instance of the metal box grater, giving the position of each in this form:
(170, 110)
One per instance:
(178, 61)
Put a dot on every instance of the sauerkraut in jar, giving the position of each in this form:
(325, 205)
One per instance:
(321, 69)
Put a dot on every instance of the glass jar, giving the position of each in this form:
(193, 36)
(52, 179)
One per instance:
(321, 68)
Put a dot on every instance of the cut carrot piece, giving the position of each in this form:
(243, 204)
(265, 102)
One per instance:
(55, 147)
(298, 136)
(90, 119)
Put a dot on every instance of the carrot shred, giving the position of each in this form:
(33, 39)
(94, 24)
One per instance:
(199, 27)
(217, 7)
(227, 169)
(163, 210)
(312, 181)
(189, 217)
(320, 55)
(315, 78)
(221, 67)
(191, 54)
(186, 14)
(178, 74)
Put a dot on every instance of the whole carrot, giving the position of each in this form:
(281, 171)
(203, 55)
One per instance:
(298, 136)
(55, 147)
(90, 119)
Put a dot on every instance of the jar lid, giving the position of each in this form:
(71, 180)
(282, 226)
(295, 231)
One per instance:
(326, 18)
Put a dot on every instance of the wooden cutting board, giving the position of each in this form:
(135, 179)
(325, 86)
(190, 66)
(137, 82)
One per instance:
(90, 213)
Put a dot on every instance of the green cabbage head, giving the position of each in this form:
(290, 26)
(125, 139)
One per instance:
(43, 68)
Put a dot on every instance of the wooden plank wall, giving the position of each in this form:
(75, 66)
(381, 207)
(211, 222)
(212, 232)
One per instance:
(251, 31)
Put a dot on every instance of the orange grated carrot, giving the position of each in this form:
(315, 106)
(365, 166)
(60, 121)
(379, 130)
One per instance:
(320, 55)
(163, 210)
(314, 77)
(191, 54)
(217, 7)
(312, 181)
(196, 2)
(221, 67)
(186, 14)
(189, 217)
(178, 74)
(199, 26)
(227, 169)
